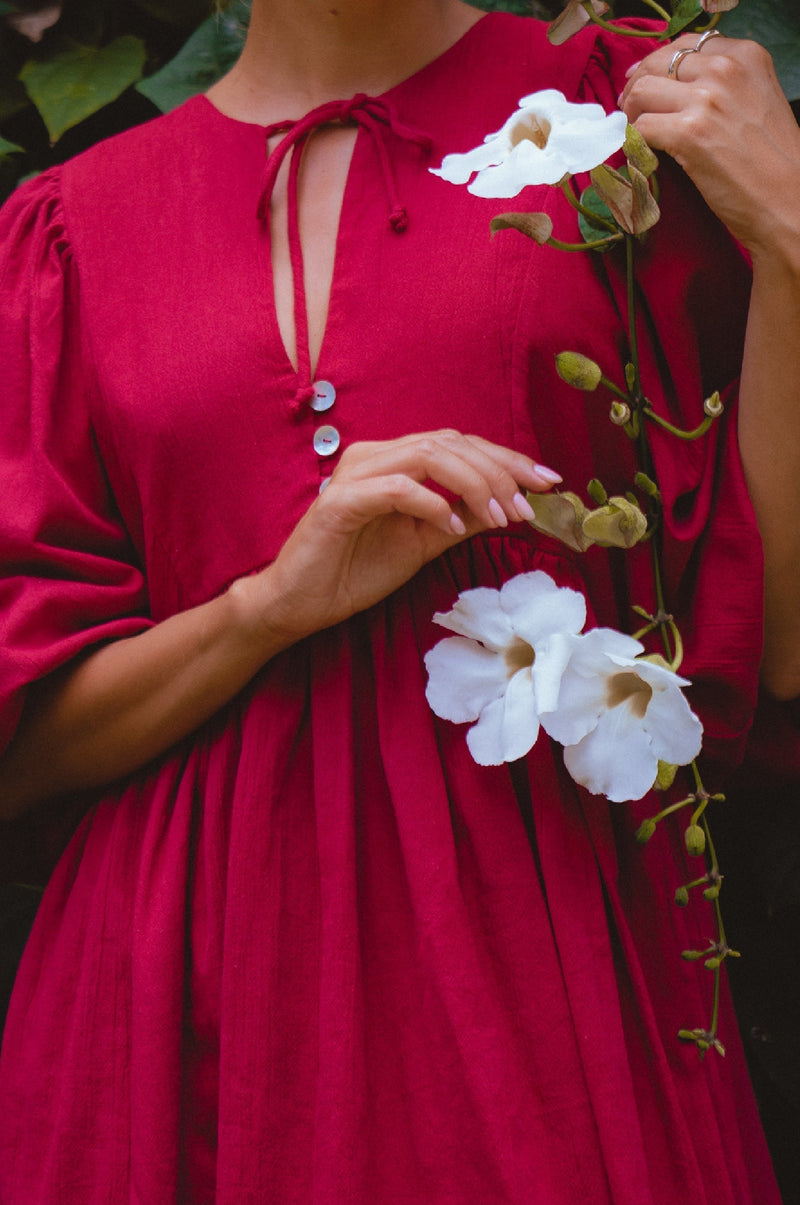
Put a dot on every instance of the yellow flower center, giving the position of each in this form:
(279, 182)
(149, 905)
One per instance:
(518, 655)
(531, 128)
(629, 688)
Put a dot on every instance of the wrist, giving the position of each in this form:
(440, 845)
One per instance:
(258, 617)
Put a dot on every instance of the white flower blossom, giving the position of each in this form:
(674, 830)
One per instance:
(547, 138)
(505, 663)
(618, 715)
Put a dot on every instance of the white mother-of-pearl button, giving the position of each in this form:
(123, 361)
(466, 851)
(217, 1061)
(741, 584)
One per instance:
(326, 441)
(324, 396)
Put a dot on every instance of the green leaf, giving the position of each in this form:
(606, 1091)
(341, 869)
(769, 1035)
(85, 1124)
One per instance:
(208, 54)
(9, 148)
(776, 25)
(79, 80)
(591, 233)
(685, 12)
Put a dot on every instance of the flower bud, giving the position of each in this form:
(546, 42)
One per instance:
(711, 893)
(561, 515)
(629, 198)
(638, 152)
(695, 840)
(620, 413)
(712, 964)
(618, 524)
(666, 774)
(682, 897)
(578, 371)
(645, 831)
(692, 955)
(713, 406)
(597, 492)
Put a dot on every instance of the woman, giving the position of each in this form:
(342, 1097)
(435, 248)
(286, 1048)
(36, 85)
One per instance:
(302, 948)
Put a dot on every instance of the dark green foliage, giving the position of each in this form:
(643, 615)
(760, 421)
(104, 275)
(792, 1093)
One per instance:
(109, 64)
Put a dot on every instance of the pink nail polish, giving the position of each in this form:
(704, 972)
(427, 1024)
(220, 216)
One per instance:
(523, 507)
(497, 513)
(548, 475)
(457, 525)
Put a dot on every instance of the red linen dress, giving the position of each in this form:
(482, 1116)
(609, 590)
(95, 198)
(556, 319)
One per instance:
(315, 954)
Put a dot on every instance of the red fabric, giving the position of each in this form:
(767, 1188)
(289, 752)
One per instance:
(316, 954)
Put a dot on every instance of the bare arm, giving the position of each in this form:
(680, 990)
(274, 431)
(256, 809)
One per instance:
(373, 527)
(727, 123)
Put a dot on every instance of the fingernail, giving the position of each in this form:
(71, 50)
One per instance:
(633, 68)
(497, 513)
(523, 507)
(549, 475)
(457, 525)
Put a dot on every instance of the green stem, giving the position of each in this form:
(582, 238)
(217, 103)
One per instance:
(685, 435)
(601, 242)
(614, 388)
(633, 338)
(617, 29)
(592, 218)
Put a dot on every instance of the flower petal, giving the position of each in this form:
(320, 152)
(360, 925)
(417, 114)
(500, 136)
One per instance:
(537, 608)
(463, 677)
(615, 759)
(457, 168)
(480, 615)
(675, 731)
(508, 727)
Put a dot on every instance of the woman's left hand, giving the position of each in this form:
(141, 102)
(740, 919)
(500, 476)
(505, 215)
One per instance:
(724, 118)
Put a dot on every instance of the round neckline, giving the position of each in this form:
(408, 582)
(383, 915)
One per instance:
(434, 63)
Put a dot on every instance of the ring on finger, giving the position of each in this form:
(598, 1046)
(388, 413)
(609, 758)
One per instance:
(705, 37)
(677, 59)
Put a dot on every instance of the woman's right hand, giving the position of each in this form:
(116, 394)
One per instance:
(377, 522)
(111, 711)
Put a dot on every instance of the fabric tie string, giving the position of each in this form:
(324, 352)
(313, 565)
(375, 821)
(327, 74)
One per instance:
(379, 120)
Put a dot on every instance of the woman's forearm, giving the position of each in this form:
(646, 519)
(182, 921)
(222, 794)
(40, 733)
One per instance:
(128, 701)
(373, 528)
(769, 438)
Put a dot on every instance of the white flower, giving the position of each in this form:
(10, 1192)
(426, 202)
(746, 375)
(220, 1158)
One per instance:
(505, 664)
(547, 138)
(618, 716)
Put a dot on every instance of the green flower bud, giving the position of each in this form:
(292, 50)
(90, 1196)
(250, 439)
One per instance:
(695, 840)
(638, 152)
(620, 413)
(597, 492)
(619, 524)
(712, 964)
(692, 955)
(645, 831)
(711, 893)
(578, 371)
(682, 897)
(665, 776)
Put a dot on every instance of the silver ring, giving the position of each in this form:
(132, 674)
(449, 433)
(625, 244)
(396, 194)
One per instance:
(677, 59)
(710, 33)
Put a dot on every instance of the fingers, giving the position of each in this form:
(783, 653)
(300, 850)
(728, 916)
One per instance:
(489, 479)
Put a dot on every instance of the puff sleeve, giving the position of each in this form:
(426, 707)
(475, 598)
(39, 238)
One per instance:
(69, 575)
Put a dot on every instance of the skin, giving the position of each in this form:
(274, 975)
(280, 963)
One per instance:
(378, 523)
